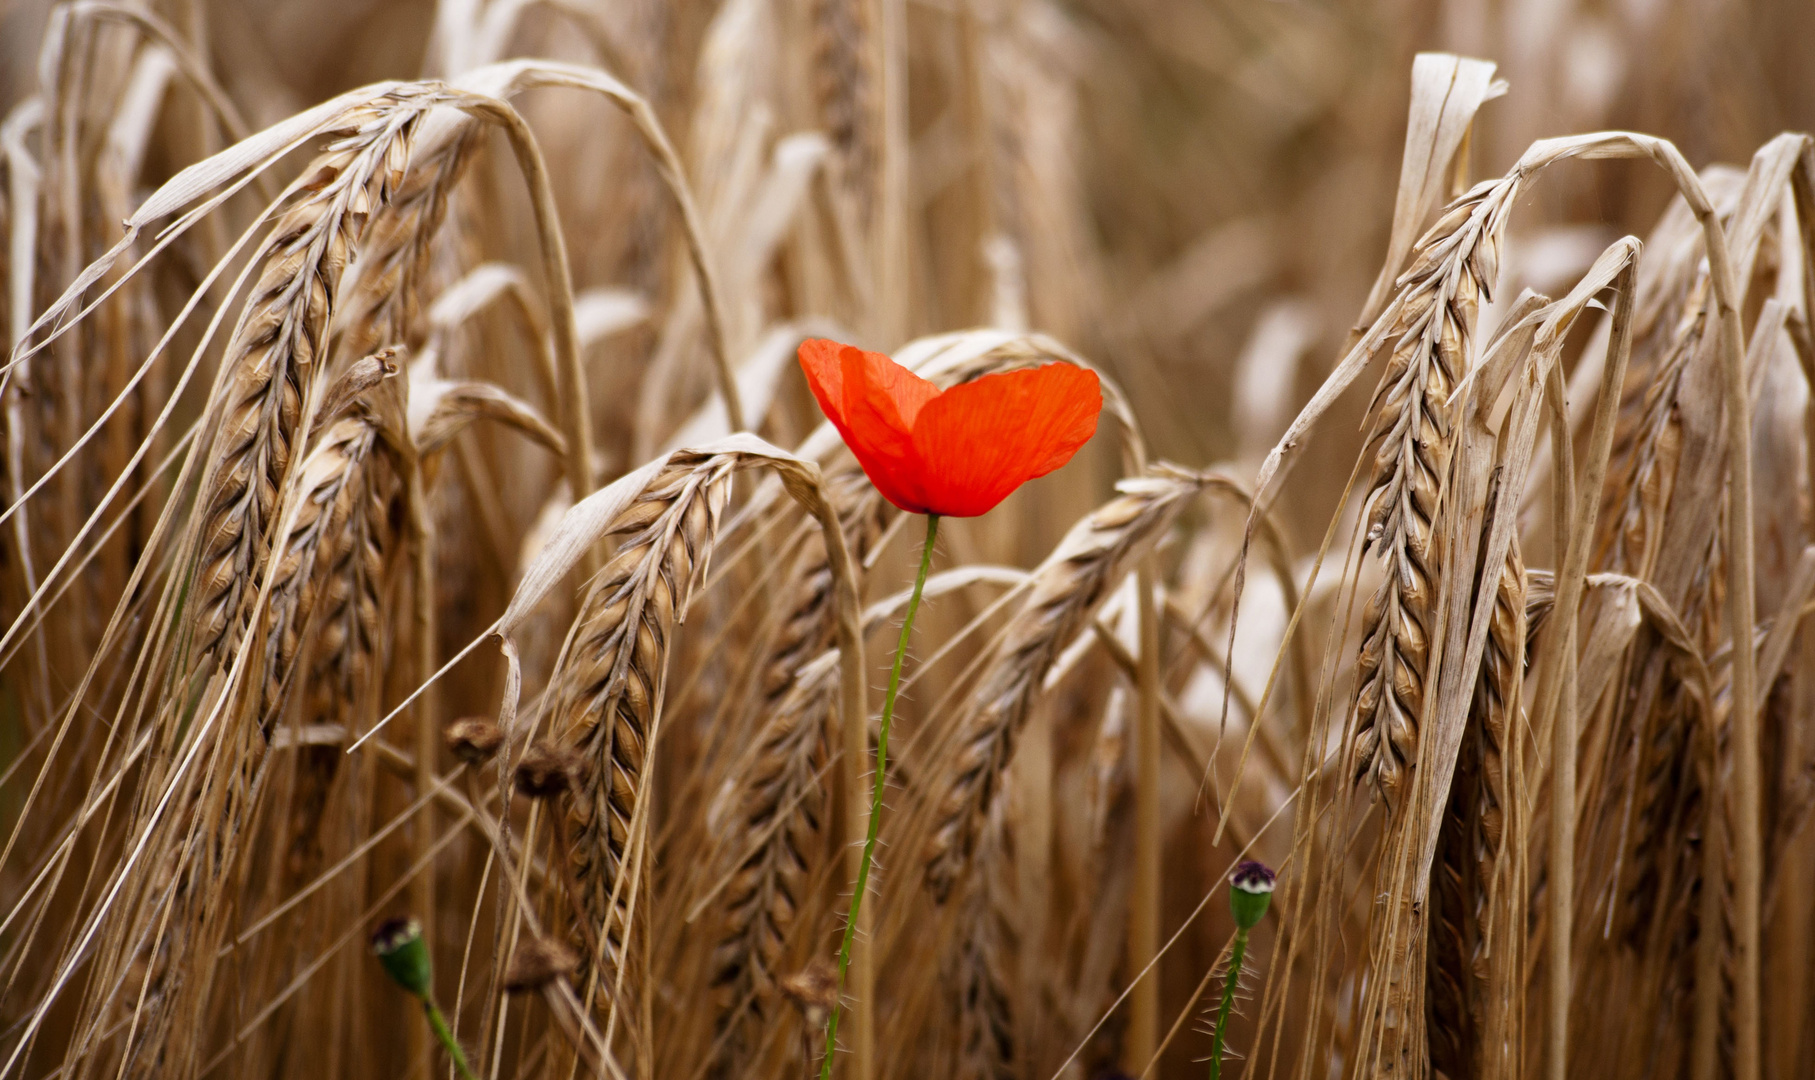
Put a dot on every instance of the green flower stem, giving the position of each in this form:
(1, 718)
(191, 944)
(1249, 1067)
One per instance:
(882, 761)
(1222, 1013)
(448, 1043)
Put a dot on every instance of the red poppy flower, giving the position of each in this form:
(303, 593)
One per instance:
(954, 452)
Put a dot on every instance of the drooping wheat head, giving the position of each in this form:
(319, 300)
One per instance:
(277, 353)
(980, 978)
(608, 689)
(1410, 442)
(845, 89)
(340, 553)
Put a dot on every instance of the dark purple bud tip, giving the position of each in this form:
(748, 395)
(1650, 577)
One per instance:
(1252, 877)
(394, 934)
(405, 956)
(1250, 892)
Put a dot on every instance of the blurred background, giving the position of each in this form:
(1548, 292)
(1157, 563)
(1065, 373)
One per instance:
(1183, 181)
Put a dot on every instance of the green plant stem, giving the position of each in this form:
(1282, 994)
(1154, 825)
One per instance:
(882, 761)
(1222, 1013)
(439, 1024)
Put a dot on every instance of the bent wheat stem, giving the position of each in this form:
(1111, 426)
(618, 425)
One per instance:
(882, 760)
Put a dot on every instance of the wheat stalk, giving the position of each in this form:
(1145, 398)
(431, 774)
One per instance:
(1467, 877)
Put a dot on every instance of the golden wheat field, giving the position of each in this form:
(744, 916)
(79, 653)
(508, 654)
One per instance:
(442, 636)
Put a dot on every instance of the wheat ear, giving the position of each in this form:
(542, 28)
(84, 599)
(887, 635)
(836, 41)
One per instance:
(609, 686)
(844, 84)
(1410, 443)
(268, 383)
(385, 308)
(980, 967)
(276, 354)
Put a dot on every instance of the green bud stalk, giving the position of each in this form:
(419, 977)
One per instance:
(1250, 894)
(400, 949)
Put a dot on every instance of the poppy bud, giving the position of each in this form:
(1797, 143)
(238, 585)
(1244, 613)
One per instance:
(474, 740)
(400, 948)
(546, 771)
(538, 962)
(1250, 892)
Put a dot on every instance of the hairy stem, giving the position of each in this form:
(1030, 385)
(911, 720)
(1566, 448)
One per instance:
(882, 760)
(1237, 951)
(446, 1038)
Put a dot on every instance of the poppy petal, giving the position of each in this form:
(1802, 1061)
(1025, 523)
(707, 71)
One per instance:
(825, 377)
(898, 393)
(979, 441)
(873, 402)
